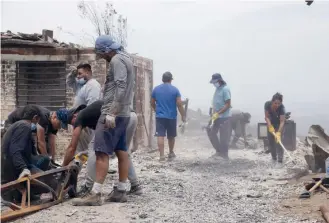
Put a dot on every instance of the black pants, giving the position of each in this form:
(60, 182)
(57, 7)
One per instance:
(223, 126)
(275, 148)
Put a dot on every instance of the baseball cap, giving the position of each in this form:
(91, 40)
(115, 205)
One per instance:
(62, 114)
(215, 78)
(105, 44)
(167, 76)
(72, 111)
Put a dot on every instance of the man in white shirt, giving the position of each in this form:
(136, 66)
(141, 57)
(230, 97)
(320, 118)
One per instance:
(87, 90)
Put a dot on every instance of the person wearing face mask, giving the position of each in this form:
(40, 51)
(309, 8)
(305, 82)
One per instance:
(18, 155)
(86, 89)
(221, 114)
(46, 129)
(18, 146)
(110, 131)
(275, 119)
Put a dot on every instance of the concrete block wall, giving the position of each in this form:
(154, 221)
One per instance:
(8, 87)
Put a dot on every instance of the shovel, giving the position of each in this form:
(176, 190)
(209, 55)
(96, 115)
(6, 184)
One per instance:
(286, 151)
(307, 194)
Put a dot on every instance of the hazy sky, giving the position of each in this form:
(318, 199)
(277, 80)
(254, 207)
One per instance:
(259, 47)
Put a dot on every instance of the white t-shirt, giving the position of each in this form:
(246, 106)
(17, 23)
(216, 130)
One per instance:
(87, 93)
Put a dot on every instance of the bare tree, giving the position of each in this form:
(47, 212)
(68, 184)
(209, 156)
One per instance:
(106, 21)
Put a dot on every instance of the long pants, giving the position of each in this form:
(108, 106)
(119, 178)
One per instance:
(223, 126)
(275, 148)
(91, 164)
(237, 128)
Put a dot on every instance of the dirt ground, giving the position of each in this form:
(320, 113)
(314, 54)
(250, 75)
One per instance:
(198, 188)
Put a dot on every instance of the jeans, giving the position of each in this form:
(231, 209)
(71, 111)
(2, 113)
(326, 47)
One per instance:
(223, 126)
(275, 148)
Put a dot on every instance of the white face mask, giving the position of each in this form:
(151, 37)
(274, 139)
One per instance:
(216, 84)
(80, 81)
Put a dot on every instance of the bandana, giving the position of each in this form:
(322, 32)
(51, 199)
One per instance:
(62, 116)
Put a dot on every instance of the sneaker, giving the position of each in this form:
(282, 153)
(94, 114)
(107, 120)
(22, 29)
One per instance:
(136, 190)
(84, 190)
(90, 199)
(162, 158)
(116, 196)
(171, 155)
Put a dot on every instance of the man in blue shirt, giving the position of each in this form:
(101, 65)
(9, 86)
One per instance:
(221, 114)
(165, 101)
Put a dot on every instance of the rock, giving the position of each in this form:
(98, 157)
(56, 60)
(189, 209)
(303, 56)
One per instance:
(143, 216)
(254, 195)
(255, 179)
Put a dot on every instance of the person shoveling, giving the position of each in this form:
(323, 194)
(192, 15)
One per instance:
(275, 117)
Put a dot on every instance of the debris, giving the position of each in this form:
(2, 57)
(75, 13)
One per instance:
(143, 216)
(307, 194)
(254, 196)
(318, 140)
(71, 213)
(9, 39)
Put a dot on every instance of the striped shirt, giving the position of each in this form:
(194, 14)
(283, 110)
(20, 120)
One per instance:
(119, 86)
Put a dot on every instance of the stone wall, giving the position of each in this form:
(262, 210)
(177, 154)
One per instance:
(144, 81)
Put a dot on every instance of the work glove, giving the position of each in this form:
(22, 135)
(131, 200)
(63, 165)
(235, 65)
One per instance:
(271, 129)
(83, 156)
(215, 116)
(110, 121)
(278, 137)
(25, 173)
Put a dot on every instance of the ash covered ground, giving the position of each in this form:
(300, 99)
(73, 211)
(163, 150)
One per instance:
(198, 188)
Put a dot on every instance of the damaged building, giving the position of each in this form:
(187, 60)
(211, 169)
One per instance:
(34, 69)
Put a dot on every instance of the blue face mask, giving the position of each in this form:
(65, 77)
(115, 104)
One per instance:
(33, 126)
(216, 84)
(81, 81)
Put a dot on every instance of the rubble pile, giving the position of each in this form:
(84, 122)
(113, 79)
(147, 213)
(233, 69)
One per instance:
(23, 39)
(196, 187)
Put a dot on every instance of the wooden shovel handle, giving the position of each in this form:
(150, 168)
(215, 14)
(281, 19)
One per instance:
(324, 188)
(315, 186)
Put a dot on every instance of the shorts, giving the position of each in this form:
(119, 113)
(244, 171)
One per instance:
(166, 126)
(109, 140)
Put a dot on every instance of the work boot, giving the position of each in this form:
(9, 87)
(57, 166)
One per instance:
(136, 190)
(90, 199)
(84, 190)
(171, 155)
(117, 196)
